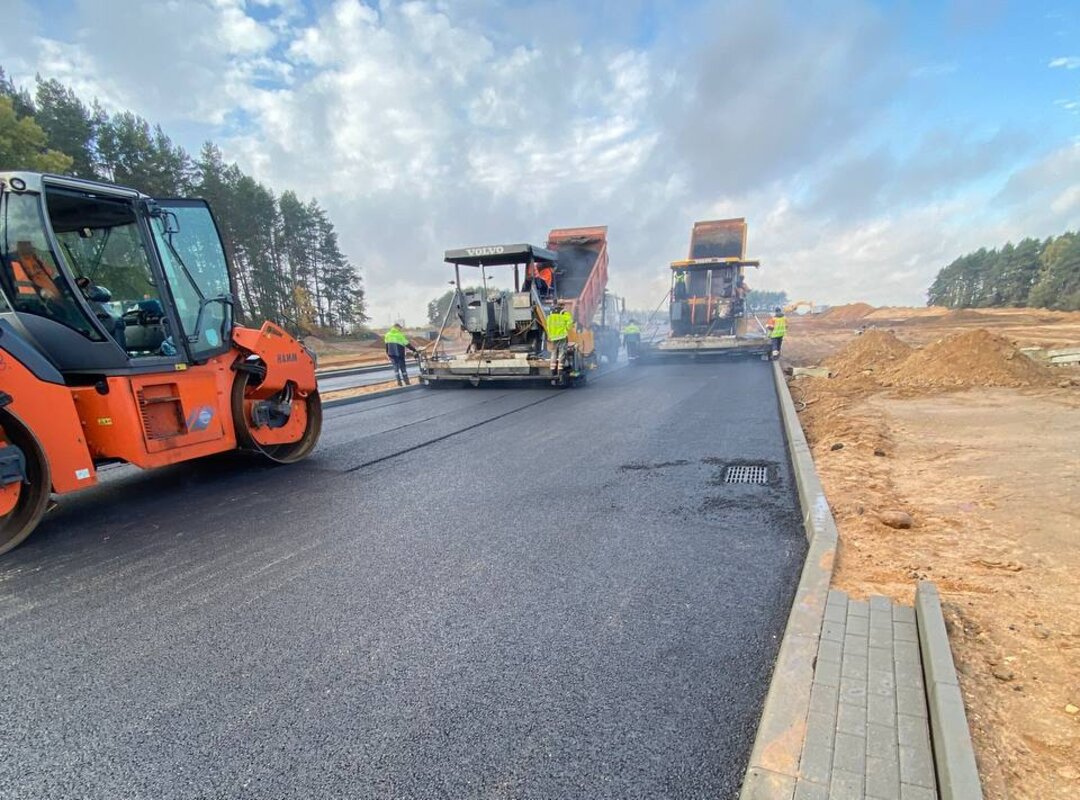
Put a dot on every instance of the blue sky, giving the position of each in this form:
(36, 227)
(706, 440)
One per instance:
(867, 142)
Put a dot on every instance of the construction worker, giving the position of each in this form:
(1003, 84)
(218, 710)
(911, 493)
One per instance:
(631, 335)
(777, 328)
(396, 345)
(542, 276)
(559, 323)
(679, 289)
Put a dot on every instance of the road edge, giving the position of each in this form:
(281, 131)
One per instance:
(773, 769)
(360, 398)
(950, 736)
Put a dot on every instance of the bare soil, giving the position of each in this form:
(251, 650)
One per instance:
(344, 353)
(941, 417)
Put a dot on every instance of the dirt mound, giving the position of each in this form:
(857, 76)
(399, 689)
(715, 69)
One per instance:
(872, 353)
(848, 313)
(316, 344)
(971, 358)
(903, 313)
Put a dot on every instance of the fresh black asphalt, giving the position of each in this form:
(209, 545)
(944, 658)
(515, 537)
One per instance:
(494, 593)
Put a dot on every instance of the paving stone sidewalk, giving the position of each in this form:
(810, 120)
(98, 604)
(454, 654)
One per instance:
(867, 732)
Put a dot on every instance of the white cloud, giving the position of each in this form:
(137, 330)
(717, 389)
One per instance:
(181, 61)
(427, 124)
(1065, 62)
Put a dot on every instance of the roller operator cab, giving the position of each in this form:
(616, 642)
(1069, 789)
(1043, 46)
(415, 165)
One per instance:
(118, 344)
(503, 308)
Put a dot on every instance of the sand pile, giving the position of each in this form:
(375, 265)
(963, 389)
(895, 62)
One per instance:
(317, 345)
(872, 353)
(901, 313)
(972, 358)
(848, 313)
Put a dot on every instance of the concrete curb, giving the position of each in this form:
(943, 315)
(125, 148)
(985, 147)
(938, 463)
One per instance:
(360, 398)
(950, 737)
(774, 761)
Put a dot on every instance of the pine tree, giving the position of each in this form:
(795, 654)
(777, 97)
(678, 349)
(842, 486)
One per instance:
(1058, 286)
(287, 264)
(69, 124)
(21, 101)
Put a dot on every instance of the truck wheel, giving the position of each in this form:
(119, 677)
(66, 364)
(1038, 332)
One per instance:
(26, 501)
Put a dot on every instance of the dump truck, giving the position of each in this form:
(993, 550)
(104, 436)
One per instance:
(707, 310)
(507, 327)
(118, 344)
(581, 278)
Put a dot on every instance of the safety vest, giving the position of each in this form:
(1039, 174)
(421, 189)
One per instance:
(395, 336)
(680, 277)
(559, 324)
(779, 327)
(630, 329)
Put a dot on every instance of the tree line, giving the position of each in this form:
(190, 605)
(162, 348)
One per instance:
(1033, 273)
(287, 263)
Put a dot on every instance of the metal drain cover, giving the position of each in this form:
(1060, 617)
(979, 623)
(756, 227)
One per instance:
(746, 473)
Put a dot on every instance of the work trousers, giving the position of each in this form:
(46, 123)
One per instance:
(558, 347)
(400, 370)
(777, 343)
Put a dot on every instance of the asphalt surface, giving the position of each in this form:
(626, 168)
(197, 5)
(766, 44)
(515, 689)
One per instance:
(329, 382)
(493, 593)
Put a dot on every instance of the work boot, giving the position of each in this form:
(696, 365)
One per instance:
(407, 381)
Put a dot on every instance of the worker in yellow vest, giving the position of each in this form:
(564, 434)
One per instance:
(631, 336)
(777, 328)
(396, 344)
(679, 291)
(559, 323)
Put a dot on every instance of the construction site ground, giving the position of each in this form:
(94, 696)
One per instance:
(973, 445)
(495, 593)
(335, 354)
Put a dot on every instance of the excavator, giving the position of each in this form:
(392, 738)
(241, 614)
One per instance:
(118, 344)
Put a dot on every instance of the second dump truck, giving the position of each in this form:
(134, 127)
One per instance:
(707, 310)
(507, 327)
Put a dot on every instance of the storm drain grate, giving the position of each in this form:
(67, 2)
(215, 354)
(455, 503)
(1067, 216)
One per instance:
(746, 473)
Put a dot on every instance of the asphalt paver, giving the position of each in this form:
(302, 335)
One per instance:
(503, 592)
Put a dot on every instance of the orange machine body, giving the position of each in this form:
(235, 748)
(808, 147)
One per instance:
(155, 419)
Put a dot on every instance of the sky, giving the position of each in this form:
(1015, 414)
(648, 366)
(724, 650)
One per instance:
(867, 142)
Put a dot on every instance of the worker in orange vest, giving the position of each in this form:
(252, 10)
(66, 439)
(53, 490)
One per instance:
(542, 276)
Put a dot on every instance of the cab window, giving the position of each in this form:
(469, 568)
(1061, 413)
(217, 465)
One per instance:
(31, 279)
(102, 242)
(194, 261)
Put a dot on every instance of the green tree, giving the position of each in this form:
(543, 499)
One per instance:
(759, 300)
(287, 263)
(20, 99)
(1058, 286)
(23, 144)
(961, 283)
(69, 125)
